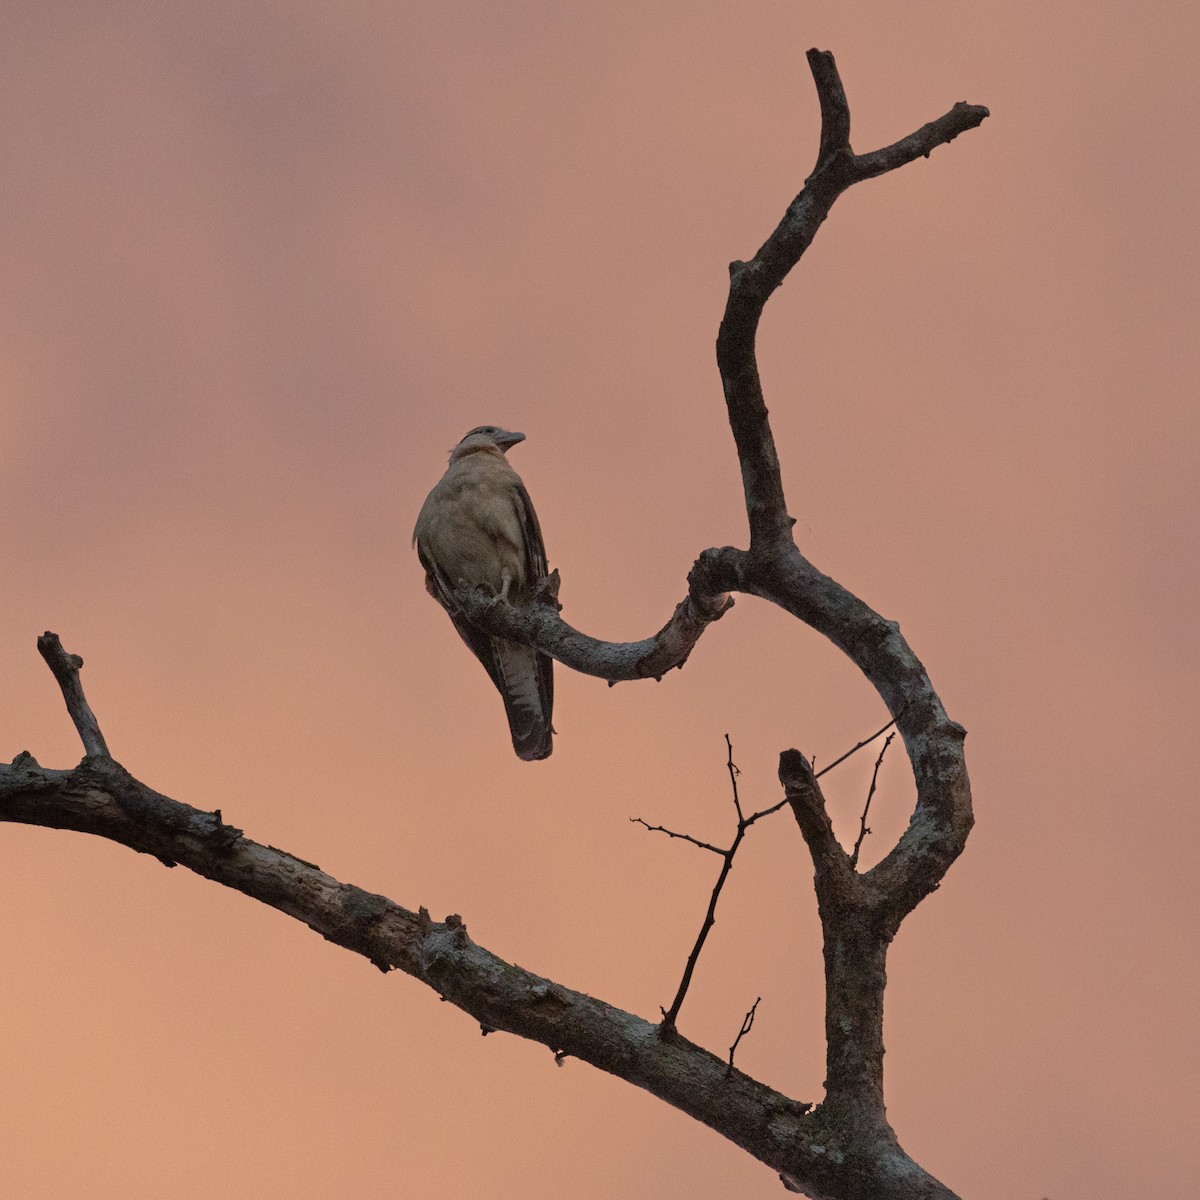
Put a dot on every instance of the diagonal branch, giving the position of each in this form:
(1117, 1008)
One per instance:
(99, 797)
(65, 668)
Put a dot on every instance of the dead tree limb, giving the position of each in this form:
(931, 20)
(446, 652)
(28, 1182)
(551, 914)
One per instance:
(844, 1149)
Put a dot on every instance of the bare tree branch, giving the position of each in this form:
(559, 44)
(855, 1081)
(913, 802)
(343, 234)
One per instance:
(539, 624)
(683, 837)
(842, 1150)
(99, 797)
(65, 668)
(710, 917)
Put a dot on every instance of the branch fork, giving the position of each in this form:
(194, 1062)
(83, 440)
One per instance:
(843, 1149)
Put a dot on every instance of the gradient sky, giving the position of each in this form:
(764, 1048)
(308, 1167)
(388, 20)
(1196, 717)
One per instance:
(264, 263)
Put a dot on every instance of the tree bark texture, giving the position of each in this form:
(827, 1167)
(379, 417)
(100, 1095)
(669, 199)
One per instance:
(843, 1147)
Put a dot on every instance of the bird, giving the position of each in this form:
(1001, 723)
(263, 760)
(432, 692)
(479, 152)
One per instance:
(477, 528)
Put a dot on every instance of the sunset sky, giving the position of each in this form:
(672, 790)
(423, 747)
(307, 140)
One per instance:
(264, 263)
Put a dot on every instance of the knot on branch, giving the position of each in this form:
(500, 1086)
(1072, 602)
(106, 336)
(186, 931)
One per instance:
(712, 577)
(224, 835)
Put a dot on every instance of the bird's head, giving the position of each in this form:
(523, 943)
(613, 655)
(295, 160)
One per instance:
(486, 437)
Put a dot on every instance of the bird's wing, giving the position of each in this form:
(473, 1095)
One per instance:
(481, 644)
(536, 570)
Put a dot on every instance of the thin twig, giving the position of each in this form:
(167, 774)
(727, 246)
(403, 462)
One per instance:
(837, 762)
(733, 774)
(747, 1025)
(683, 837)
(710, 919)
(66, 670)
(744, 822)
(862, 833)
(766, 812)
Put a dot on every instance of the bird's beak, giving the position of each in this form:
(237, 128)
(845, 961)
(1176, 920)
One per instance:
(507, 440)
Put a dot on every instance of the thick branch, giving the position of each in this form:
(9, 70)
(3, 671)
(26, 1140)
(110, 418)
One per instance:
(775, 569)
(855, 945)
(101, 798)
(834, 876)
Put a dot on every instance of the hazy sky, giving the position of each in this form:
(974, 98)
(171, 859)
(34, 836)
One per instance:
(264, 263)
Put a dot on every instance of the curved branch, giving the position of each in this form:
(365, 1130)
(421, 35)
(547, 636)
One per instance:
(715, 573)
(753, 282)
(859, 914)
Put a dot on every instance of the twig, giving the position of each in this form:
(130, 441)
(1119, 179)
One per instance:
(733, 774)
(66, 670)
(766, 812)
(837, 762)
(747, 1025)
(710, 917)
(862, 833)
(671, 1014)
(683, 837)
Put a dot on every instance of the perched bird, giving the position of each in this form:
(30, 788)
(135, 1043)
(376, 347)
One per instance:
(477, 527)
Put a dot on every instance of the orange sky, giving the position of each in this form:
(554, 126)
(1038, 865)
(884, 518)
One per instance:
(264, 264)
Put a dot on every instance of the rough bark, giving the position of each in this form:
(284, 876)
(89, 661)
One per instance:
(841, 1149)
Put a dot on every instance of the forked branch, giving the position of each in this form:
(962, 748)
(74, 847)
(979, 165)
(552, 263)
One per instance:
(727, 856)
(842, 1150)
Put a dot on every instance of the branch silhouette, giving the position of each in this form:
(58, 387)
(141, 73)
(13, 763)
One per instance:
(844, 1148)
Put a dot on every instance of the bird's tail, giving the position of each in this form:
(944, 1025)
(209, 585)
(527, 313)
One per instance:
(528, 691)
